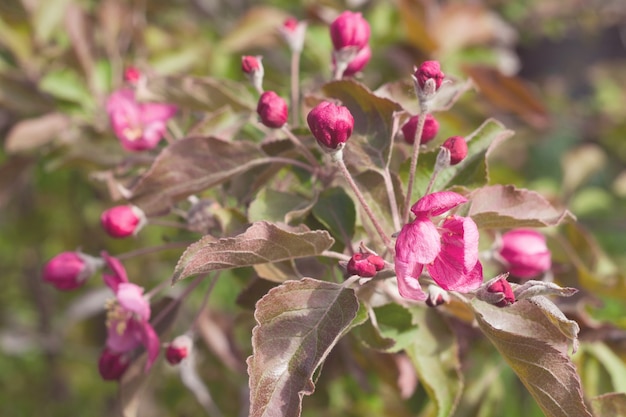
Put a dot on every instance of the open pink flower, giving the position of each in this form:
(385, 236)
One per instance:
(449, 252)
(128, 316)
(138, 126)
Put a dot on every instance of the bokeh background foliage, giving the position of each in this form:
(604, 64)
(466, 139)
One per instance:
(553, 71)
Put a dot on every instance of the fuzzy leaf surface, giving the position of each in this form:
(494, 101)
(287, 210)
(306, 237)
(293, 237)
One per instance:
(261, 243)
(191, 165)
(505, 206)
(537, 351)
(298, 323)
(613, 404)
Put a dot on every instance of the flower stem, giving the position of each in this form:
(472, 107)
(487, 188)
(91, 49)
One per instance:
(366, 207)
(416, 152)
(391, 194)
(295, 88)
(299, 145)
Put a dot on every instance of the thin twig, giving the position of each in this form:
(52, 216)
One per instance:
(299, 145)
(416, 151)
(295, 88)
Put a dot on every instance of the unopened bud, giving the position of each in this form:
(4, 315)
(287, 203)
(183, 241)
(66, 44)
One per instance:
(357, 61)
(497, 291)
(252, 66)
(525, 253)
(70, 270)
(431, 127)
(349, 29)
(429, 70)
(293, 31)
(272, 109)
(436, 296)
(112, 365)
(132, 75)
(331, 125)
(178, 349)
(365, 264)
(457, 147)
(123, 221)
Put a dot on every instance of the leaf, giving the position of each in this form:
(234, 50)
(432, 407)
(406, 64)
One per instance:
(299, 323)
(509, 93)
(33, 133)
(434, 353)
(191, 165)
(536, 350)
(505, 206)
(611, 362)
(195, 93)
(277, 206)
(612, 404)
(403, 93)
(373, 117)
(473, 170)
(257, 28)
(393, 331)
(372, 185)
(336, 211)
(262, 243)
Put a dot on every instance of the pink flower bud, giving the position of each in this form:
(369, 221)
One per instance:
(293, 32)
(250, 64)
(272, 110)
(457, 147)
(290, 24)
(525, 252)
(500, 285)
(122, 221)
(429, 70)
(179, 349)
(132, 75)
(431, 127)
(365, 264)
(69, 270)
(349, 30)
(112, 365)
(436, 296)
(331, 124)
(359, 61)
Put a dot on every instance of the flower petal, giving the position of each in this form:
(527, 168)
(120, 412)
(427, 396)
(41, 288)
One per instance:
(156, 112)
(437, 203)
(418, 242)
(451, 279)
(408, 284)
(125, 341)
(130, 297)
(150, 340)
(119, 273)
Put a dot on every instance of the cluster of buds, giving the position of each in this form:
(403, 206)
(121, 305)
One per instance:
(365, 264)
(350, 35)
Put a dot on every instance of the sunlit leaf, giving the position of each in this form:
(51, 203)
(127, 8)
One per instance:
(31, 134)
(277, 206)
(299, 322)
(261, 243)
(434, 353)
(505, 206)
(613, 404)
(537, 351)
(191, 165)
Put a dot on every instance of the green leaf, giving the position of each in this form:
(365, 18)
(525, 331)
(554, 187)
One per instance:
(472, 171)
(190, 165)
(434, 353)
(298, 323)
(277, 206)
(336, 211)
(202, 94)
(372, 185)
(536, 350)
(505, 206)
(373, 117)
(613, 364)
(261, 243)
(393, 329)
(613, 404)
(65, 84)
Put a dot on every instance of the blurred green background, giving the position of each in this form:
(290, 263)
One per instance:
(553, 71)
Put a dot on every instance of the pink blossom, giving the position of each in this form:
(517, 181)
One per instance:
(525, 253)
(365, 264)
(138, 126)
(112, 365)
(128, 316)
(449, 251)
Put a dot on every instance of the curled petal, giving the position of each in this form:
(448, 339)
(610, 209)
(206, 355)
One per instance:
(130, 296)
(408, 284)
(119, 273)
(150, 340)
(418, 242)
(437, 203)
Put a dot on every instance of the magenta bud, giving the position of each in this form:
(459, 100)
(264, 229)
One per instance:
(431, 127)
(112, 365)
(436, 296)
(500, 285)
(132, 75)
(293, 31)
(250, 64)
(69, 270)
(525, 252)
(122, 221)
(332, 125)
(429, 70)
(290, 24)
(349, 29)
(179, 349)
(365, 264)
(272, 110)
(457, 147)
